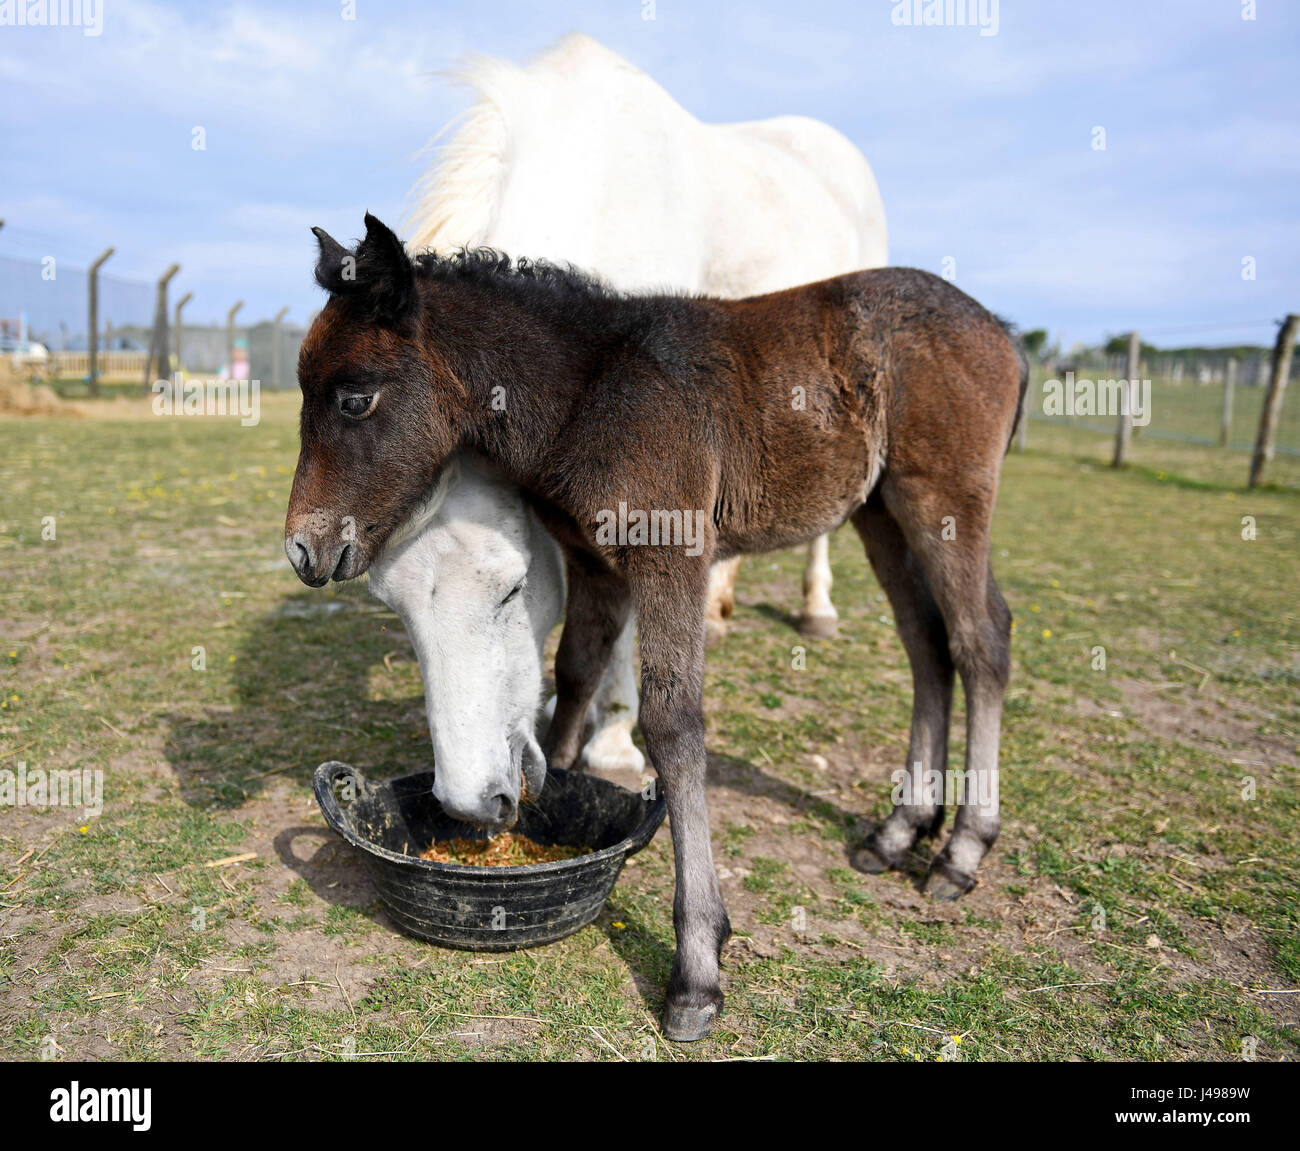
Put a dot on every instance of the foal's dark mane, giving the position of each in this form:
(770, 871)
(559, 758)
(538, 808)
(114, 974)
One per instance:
(577, 300)
(537, 279)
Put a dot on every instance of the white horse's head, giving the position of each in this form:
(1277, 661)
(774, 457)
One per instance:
(479, 585)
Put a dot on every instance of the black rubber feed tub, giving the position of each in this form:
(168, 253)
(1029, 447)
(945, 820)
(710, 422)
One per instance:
(488, 908)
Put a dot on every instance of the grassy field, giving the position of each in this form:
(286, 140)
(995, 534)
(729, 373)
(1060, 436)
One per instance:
(1141, 903)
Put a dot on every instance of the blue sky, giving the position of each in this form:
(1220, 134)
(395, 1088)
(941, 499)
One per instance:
(982, 145)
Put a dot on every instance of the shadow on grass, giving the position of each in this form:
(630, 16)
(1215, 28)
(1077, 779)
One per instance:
(334, 871)
(302, 696)
(777, 614)
(740, 775)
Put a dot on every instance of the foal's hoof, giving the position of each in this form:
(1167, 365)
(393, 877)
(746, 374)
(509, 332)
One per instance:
(715, 631)
(689, 1024)
(819, 626)
(945, 883)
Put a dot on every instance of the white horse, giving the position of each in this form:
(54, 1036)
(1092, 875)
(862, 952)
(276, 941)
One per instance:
(581, 157)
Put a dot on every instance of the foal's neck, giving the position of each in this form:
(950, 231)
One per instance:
(525, 358)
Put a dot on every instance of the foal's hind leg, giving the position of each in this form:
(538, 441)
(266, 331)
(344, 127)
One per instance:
(983, 653)
(921, 628)
(947, 525)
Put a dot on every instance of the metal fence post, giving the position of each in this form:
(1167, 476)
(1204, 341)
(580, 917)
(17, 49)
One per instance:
(158, 337)
(180, 331)
(277, 350)
(92, 346)
(230, 339)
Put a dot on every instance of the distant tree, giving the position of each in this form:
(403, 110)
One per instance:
(1034, 342)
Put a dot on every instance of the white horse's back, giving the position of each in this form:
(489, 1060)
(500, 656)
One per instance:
(581, 156)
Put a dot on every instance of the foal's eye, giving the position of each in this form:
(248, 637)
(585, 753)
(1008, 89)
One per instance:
(356, 406)
(514, 592)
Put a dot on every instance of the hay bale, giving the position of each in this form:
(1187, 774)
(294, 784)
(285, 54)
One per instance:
(19, 398)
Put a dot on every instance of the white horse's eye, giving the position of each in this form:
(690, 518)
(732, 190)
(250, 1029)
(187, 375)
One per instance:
(514, 591)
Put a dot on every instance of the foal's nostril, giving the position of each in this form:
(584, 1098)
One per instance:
(505, 806)
(298, 552)
(344, 556)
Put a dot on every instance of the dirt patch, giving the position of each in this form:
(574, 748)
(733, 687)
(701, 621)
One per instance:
(1208, 721)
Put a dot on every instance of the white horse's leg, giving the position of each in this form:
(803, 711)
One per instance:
(722, 598)
(819, 617)
(613, 712)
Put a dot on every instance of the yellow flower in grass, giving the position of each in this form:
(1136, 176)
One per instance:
(1047, 633)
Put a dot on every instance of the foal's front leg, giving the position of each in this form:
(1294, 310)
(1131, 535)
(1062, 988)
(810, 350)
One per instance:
(597, 608)
(672, 613)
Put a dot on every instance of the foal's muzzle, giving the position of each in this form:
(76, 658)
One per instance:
(318, 561)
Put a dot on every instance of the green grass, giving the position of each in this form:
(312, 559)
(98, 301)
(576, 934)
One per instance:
(1122, 788)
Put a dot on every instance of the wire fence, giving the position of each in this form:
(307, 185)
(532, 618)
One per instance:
(44, 302)
(1198, 397)
(1186, 400)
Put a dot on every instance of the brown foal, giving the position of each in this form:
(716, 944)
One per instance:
(884, 397)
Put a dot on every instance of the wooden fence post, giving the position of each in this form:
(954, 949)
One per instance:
(1124, 430)
(1229, 383)
(1268, 418)
(92, 346)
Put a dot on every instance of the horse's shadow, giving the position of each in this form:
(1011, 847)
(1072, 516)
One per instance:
(777, 614)
(302, 686)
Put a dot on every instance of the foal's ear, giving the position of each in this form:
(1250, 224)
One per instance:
(331, 265)
(379, 275)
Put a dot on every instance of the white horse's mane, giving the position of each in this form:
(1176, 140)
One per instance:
(456, 198)
(454, 202)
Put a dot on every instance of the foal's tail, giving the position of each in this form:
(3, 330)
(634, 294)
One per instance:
(1023, 359)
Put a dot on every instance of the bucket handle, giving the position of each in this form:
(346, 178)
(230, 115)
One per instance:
(323, 782)
(645, 831)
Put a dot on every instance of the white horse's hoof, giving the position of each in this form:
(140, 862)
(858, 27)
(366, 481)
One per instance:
(614, 752)
(819, 626)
